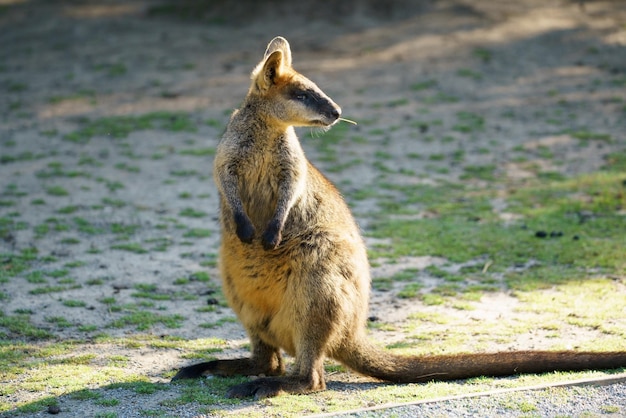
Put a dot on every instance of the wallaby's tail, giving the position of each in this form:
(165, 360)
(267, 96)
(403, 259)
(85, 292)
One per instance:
(369, 360)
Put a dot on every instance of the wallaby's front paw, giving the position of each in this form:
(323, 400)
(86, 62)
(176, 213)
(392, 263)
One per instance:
(272, 236)
(245, 229)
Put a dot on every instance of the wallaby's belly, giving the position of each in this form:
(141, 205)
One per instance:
(256, 287)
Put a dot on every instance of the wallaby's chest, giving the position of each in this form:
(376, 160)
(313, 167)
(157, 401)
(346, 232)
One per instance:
(259, 181)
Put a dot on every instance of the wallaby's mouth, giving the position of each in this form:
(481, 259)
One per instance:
(324, 123)
(327, 117)
(331, 119)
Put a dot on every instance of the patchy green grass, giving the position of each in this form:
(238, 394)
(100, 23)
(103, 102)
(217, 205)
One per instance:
(13, 264)
(483, 54)
(219, 323)
(143, 320)
(198, 152)
(586, 303)
(555, 258)
(52, 367)
(468, 122)
(120, 126)
(580, 216)
(467, 73)
(57, 191)
(20, 326)
(74, 303)
(585, 135)
(424, 85)
(131, 247)
(410, 290)
(197, 233)
(192, 213)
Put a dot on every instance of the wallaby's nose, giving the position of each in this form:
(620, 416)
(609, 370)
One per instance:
(336, 112)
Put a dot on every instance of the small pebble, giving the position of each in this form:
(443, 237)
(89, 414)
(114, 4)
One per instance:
(53, 409)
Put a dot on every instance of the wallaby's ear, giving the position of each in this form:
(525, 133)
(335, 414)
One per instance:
(279, 44)
(269, 70)
(276, 59)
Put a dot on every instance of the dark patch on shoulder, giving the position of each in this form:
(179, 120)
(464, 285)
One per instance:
(331, 310)
(320, 270)
(318, 199)
(312, 240)
(345, 271)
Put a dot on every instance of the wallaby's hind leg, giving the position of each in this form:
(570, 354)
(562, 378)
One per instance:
(265, 360)
(307, 374)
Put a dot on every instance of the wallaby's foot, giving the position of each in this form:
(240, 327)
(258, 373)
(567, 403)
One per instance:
(258, 389)
(268, 387)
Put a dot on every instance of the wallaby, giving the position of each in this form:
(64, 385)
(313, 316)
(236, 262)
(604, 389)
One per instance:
(294, 266)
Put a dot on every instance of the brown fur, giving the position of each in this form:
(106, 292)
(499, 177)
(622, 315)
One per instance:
(294, 266)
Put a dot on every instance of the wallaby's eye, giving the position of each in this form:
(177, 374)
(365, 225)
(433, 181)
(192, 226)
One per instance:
(300, 95)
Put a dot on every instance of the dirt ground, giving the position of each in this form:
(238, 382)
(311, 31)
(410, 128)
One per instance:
(66, 63)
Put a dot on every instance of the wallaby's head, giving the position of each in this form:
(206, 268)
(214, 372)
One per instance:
(287, 96)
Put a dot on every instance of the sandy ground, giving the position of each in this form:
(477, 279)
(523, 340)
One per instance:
(62, 63)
